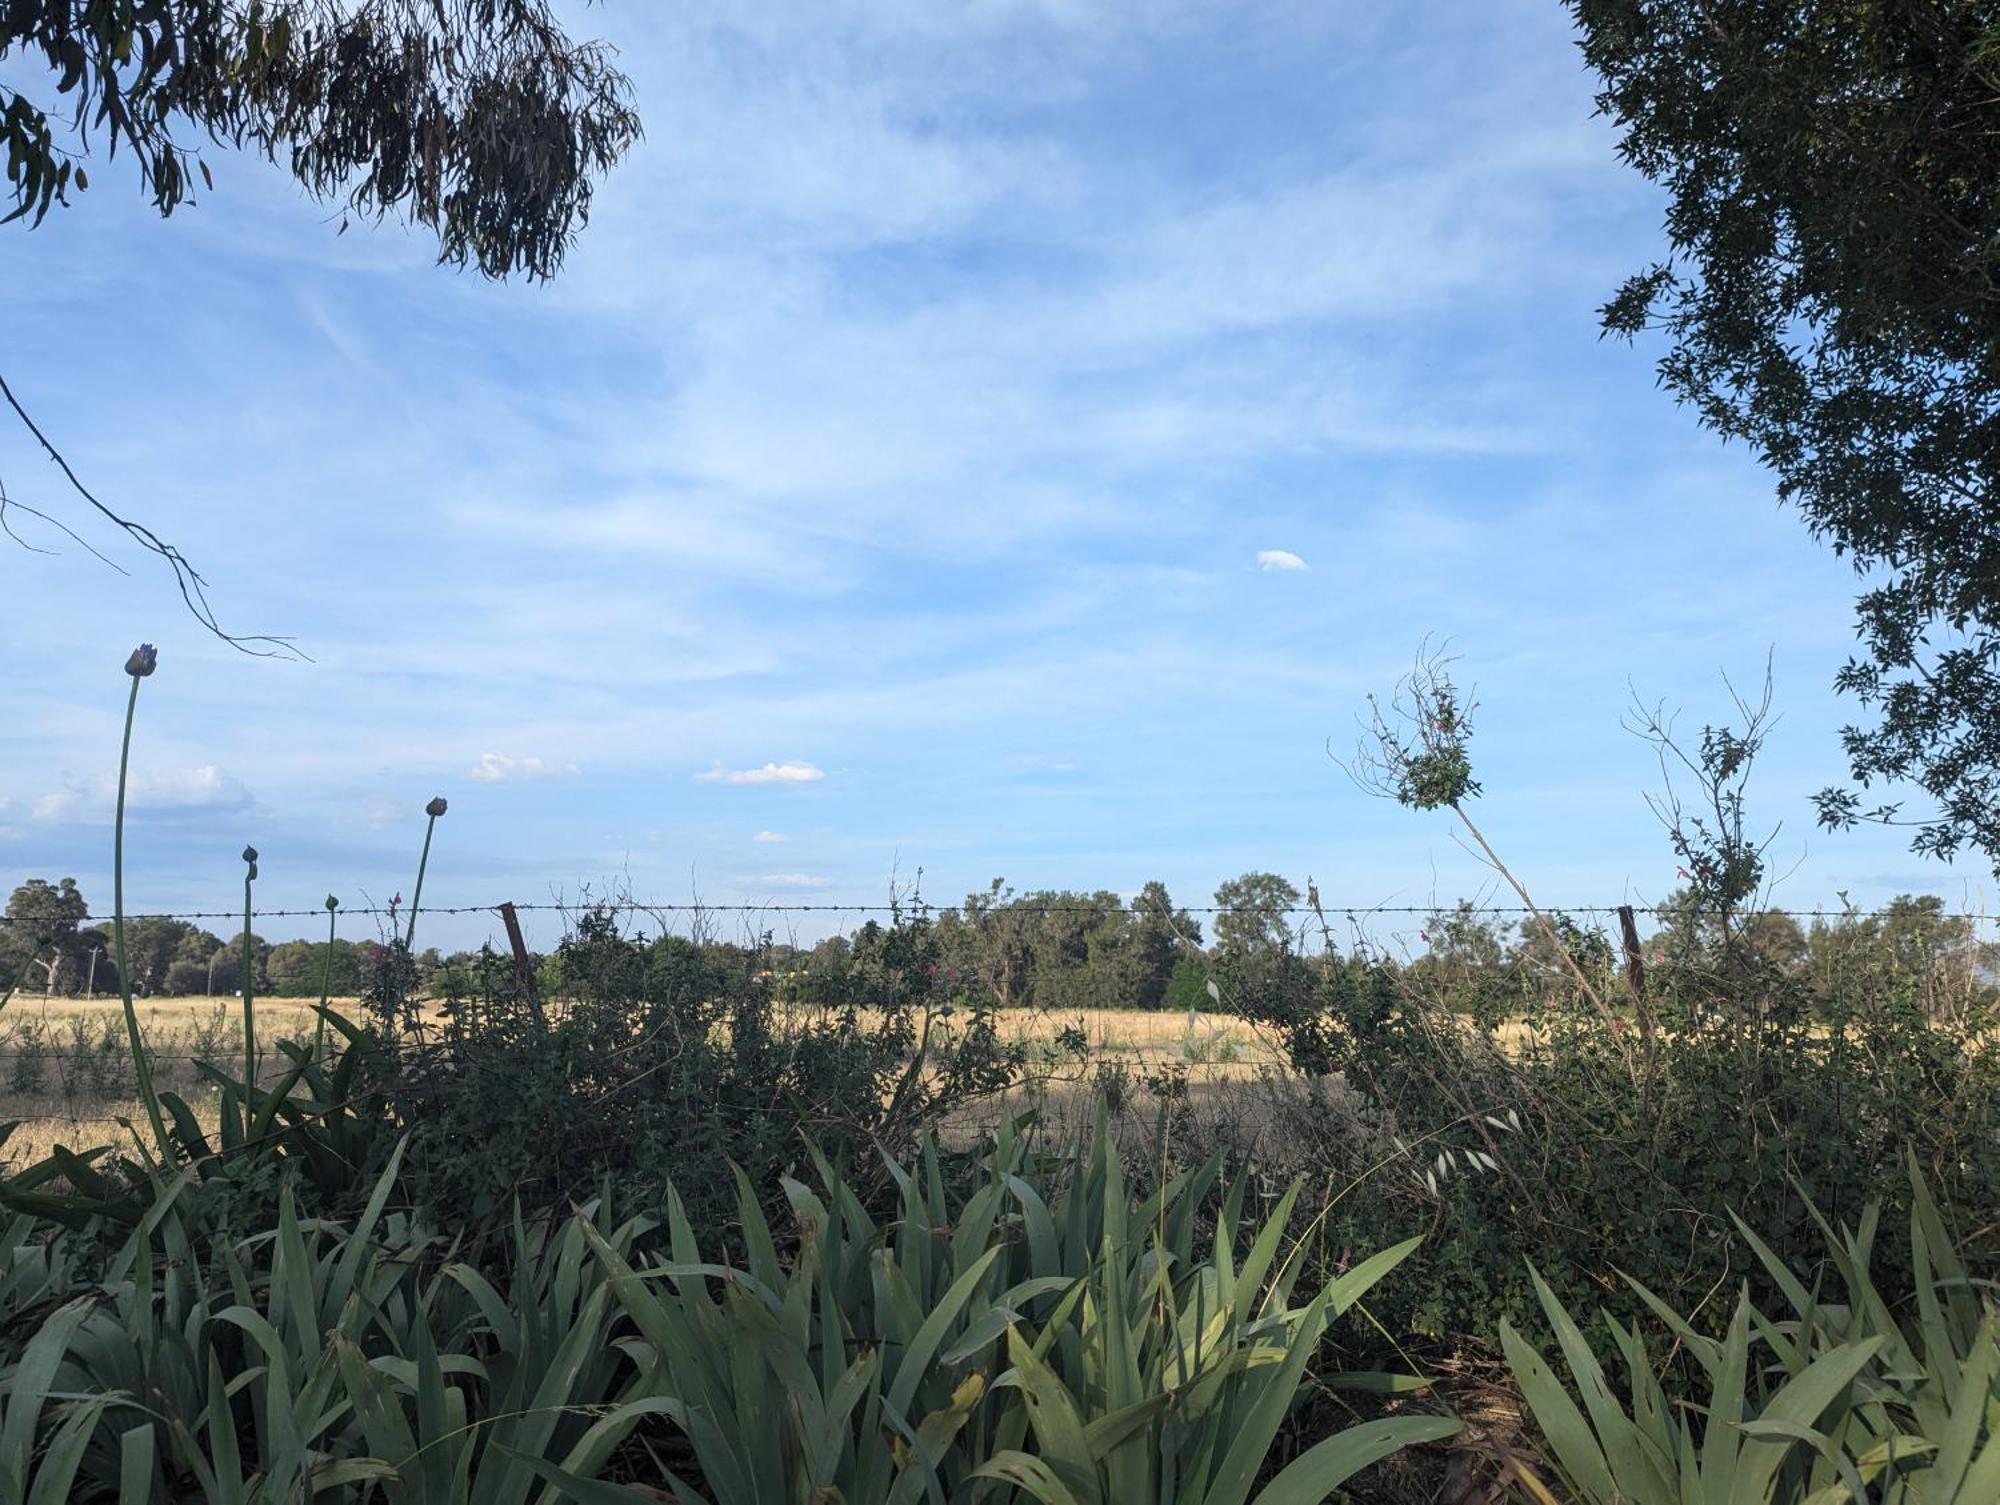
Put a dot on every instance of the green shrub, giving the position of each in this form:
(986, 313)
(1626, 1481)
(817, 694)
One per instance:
(1187, 986)
(1745, 1111)
(664, 1058)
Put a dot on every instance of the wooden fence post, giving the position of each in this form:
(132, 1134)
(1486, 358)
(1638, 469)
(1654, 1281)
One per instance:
(1635, 961)
(524, 966)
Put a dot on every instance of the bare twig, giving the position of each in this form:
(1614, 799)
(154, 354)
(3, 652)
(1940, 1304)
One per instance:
(193, 587)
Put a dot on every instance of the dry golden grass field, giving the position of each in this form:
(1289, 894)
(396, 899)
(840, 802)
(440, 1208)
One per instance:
(66, 1072)
(66, 1076)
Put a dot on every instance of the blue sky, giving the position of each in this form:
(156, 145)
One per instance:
(884, 485)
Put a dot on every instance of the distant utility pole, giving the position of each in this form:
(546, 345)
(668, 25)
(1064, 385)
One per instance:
(90, 980)
(211, 971)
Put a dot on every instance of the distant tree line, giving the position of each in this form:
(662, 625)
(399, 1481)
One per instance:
(49, 944)
(1489, 968)
(1064, 951)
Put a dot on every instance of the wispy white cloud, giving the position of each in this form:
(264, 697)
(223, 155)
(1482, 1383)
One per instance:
(1279, 561)
(91, 800)
(762, 838)
(499, 768)
(917, 396)
(792, 880)
(770, 773)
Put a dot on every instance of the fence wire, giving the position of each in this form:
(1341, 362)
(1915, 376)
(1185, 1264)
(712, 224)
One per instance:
(89, 1100)
(923, 908)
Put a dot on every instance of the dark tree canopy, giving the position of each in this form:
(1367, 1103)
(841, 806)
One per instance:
(478, 119)
(1831, 296)
(42, 930)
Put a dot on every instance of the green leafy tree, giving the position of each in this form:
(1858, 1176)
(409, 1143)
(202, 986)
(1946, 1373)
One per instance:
(1921, 938)
(1828, 297)
(1162, 937)
(1062, 950)
(1910, 949)
(1689, 937)
(298, 969)
(96, 970)
(1254, 914)
(1082, 952)
(228, 964)
(1187, 986)
(185, 977)
(1937, 953)
(153, 944)
(41, 936)
(1775, 940)
(994, 932)
(186, 973)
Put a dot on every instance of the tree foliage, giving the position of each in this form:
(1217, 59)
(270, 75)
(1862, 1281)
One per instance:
(43, 933)
(1831, 297)
(1059, 951)
(156, 944)
(1255, 914)
(478, 119)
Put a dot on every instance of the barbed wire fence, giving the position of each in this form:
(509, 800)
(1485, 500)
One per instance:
(71, 1069)
(926, 908)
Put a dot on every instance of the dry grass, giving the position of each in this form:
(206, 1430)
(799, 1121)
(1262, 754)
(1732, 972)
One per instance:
(170, 1018)
(78, 1086)
(34, 1138)
(65, 1071)
(1137, 1032)
(1150, 1036)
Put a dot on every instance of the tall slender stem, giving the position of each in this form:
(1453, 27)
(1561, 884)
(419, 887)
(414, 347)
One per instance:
(141, 1066)
(417, 893)
(1612, 1022)
(250, 1055)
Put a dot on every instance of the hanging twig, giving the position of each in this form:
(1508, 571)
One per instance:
(193, 587)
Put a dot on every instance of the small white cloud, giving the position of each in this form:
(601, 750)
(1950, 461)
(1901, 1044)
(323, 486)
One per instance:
(770, 773)
(762, 838)
(498, 768)
(1044, 763)
(793, 880)
(1272, 561)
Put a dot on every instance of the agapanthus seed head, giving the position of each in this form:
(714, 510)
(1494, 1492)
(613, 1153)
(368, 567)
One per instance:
(144, 660)
(332, 903)
(435, 808)
(250, 855)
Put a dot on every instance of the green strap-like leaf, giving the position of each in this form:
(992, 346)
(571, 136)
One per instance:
(1800, 1402)
(1559, 1418)
(1055, 1420)
(1326, 1466)
(1029, 1474)
(916, 1358)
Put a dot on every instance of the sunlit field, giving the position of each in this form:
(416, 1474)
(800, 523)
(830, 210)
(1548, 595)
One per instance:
(66, 1073)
